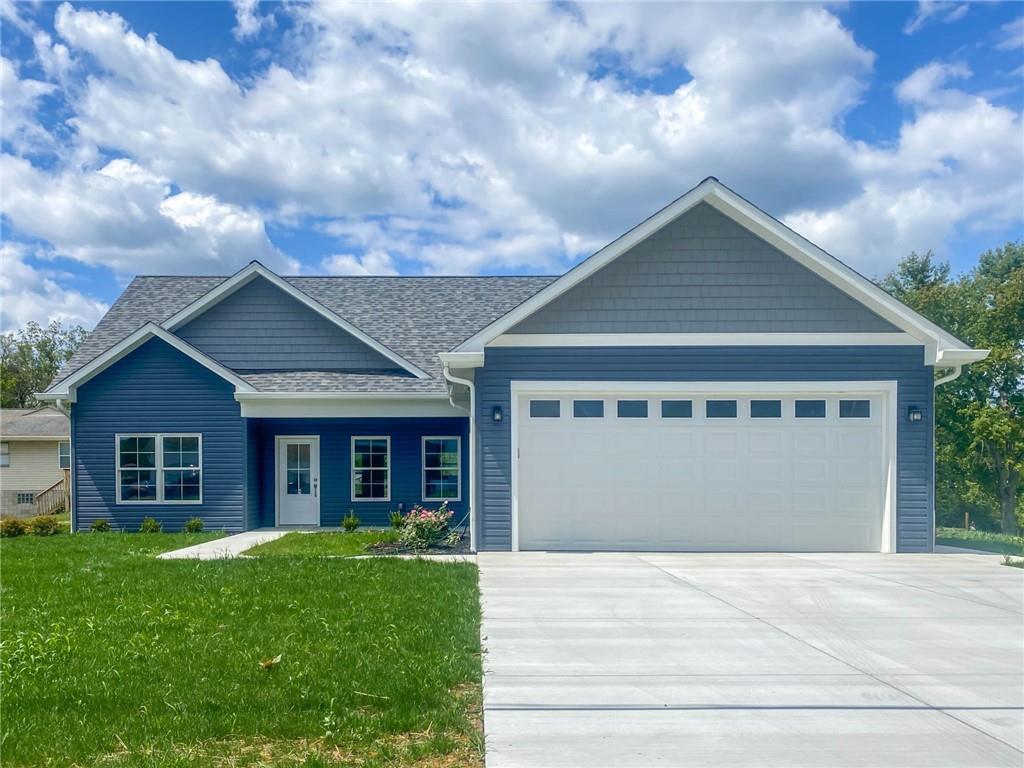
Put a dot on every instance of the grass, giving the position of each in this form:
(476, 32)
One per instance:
(328, 544)
(983, 540)
(111, 657)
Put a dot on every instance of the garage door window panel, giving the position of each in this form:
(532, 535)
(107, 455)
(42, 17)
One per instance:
(766, 409)
(809, 409)
(854, 409)
(587, 409)
(631, 409)
(720, 409)
(545, 409)
(677, 409)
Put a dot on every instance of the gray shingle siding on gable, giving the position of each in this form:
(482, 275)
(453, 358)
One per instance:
(261, 328)
(905, 365)
(704, 273)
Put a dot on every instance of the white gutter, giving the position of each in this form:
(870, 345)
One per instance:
(472, 448)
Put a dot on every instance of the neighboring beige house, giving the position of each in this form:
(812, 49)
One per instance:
(35, 452)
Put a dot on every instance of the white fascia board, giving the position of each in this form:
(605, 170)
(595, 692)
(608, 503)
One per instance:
(67, 388)
(35, 438)
(702, 339)
(257, 395)
(701, 387)
(351, 405)
(761, 224)
(462, 359)
(249, 273)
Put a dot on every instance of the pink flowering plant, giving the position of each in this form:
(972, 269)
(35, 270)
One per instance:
(424, 528)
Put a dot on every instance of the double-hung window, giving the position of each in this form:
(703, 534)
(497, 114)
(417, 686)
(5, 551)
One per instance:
(64, 454)
(5, 454)
(371, 468)
(442, 464)
(158, 468)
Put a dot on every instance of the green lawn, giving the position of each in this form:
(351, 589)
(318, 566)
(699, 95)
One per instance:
(983, 540)
(110, 657)
(329, 544)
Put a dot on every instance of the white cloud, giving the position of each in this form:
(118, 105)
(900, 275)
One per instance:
(1011, 35)
(248, 21)
(477, 138)
(371, 263)
(932, 10)
(125, 217)
(19, 101)
(28, 293)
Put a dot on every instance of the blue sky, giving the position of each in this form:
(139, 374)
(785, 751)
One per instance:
(153, 138)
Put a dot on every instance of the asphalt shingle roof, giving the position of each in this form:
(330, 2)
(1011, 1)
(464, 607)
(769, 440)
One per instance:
(33, 423)
(417, 317)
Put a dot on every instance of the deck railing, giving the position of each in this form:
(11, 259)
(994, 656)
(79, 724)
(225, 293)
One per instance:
(55, 497)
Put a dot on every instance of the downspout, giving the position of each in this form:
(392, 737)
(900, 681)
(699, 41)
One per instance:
(957, 369)
(472, 446)
(62, 406)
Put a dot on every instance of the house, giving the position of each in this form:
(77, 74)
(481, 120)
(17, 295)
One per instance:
(35, 456)
(708, 381)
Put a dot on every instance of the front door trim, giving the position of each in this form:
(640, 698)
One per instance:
(278, 441)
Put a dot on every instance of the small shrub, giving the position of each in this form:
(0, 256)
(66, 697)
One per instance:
(150, 525)
(11, 527)
(350, 522)
(100, 525)
(44, 525)
(396, 518)
(425, 528)
(194, 525)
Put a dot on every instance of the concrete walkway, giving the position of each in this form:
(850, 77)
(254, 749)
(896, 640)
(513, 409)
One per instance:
(708, 660)
(220, 549)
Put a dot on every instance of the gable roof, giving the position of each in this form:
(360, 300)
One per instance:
(417, 317)
(46, 423)
(66, 388)
(256, 270)
(941, 347)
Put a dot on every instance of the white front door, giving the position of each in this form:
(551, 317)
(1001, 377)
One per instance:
(298, 480)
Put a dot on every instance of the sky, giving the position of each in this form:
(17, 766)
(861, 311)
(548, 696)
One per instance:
(423, 139)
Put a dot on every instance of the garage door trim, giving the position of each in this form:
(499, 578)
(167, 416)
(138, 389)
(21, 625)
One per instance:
(886, 389)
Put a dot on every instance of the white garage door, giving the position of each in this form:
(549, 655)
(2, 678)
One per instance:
(686, 470)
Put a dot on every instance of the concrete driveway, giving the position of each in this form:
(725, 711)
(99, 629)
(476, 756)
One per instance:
(752, 660)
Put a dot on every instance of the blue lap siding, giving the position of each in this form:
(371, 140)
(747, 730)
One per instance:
(336, 463)
(905, 365)
(158, 389)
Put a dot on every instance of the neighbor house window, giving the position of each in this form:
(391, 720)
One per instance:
(720, 409)
(371, 468)
(25, 497)
(631, 409)
(766, 409)
(442, 462)
(809, 409)
(160, 469)
(64, 454)
(5, 454)
(677, 409)
(854, 409)
(544, 409)
(587, 409)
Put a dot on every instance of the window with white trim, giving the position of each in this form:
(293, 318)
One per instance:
(442, 465)
(5, 454)
(371, 468)
(64, 454)
(26, 497)
(160, 468)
